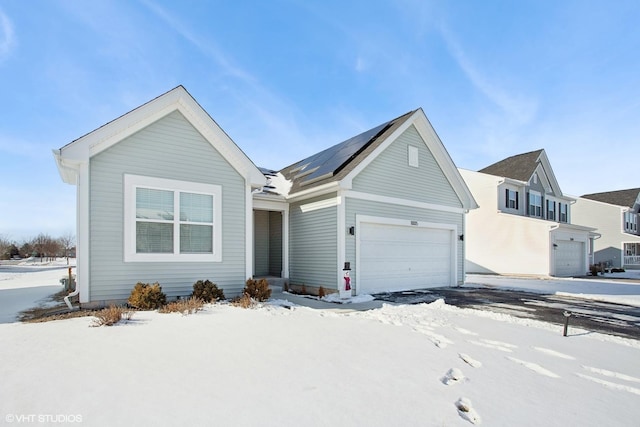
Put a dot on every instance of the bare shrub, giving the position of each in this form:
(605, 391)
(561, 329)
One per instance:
(207, 291)
(244, 301)
(147, 297)
(184, 306)
(111, 315)
(321, 292)
(257, 289)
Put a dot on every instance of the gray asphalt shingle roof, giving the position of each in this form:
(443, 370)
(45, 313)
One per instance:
(520, 166)
(625, 198)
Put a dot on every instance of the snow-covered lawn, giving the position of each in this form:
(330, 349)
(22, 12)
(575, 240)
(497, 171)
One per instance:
(272, 366)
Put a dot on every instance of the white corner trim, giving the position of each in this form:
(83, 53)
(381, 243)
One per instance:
(131, 182)
(342, 231)
(83, 251)
(249, 236)
(401, 202)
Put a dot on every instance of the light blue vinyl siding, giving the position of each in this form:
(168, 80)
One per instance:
(364, 207)
(172, 149)
(313, 245)
(389, 174)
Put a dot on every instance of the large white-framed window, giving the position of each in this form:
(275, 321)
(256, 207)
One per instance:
(535, 204)
(171, 221)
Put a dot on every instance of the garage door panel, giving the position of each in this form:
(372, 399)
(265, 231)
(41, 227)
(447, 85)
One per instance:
(396, 257)
(569, 258)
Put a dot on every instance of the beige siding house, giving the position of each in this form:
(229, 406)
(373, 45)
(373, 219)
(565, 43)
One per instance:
(615, 214)
(525, 224)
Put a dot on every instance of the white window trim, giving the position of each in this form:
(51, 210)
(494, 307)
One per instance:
(413, 156)
(537, 194)
(131, 182)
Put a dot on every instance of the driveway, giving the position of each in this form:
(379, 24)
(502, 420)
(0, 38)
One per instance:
(594, 316)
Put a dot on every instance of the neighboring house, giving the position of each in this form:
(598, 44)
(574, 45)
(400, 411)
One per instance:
(165, 195)
(615, 214)
(524, 224)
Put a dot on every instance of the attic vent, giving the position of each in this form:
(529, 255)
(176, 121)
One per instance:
(413, 156)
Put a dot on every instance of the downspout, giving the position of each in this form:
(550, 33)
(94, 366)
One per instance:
(72, 294)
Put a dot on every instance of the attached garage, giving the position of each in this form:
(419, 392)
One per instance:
(399, 255)
(569, 258)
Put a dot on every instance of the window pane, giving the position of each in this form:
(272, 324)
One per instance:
(154, 237)
(196, 239)
(196, 207)
(154, 204)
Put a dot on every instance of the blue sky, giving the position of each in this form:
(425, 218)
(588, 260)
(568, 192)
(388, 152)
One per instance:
(288, 78)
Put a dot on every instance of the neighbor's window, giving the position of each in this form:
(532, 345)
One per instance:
(511, 199)
(630, 222)
(168, 220)
(564, 212)
(551, 210)
(535, 204)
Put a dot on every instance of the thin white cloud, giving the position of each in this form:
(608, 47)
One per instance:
(519, 108)
(7, 36)
(209, 48)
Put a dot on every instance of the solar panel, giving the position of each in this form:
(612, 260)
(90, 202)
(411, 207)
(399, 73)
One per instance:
(326, 163)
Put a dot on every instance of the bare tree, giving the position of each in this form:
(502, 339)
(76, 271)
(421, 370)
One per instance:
(5, 244)
(45, 245)
(67, 242)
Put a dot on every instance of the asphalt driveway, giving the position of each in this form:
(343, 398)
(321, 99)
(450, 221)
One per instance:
(594, 316)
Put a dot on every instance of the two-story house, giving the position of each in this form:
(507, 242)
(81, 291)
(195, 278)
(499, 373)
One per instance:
(615, 214)
(524, 224)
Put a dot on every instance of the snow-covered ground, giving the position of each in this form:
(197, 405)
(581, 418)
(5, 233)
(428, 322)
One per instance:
(428, 365)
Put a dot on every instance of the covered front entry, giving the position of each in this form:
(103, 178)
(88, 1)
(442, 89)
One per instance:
(401, 256)
(267, 244)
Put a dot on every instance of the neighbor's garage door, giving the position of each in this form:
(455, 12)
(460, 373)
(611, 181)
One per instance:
(394, 257)
(569, 257)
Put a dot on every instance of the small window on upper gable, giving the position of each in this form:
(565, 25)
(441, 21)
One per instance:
(413, 154)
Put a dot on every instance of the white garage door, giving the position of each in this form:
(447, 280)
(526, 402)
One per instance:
(394, 257)
(569, 256)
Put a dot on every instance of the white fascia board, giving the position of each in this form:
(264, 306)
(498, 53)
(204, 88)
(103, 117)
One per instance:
(320, 190)
(548, 170)
(434, 144)
(141, 117)
(68, 170)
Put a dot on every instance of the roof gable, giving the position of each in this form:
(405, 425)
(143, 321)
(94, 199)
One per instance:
(522, 167)
(71, 156)
(627, 198)
(342, 162)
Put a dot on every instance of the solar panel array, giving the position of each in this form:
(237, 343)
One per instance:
(327, 162)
